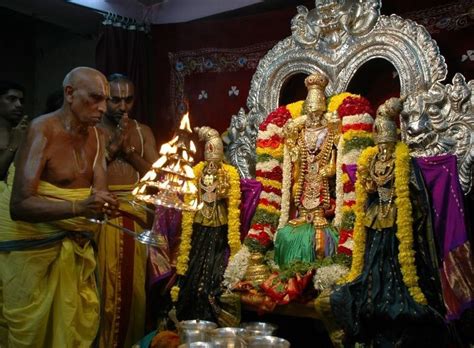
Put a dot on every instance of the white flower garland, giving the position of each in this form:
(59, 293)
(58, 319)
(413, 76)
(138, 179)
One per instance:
(271, 197)
(348, 158)
(327, 276)
(272, 129)
(268, 166)
(236, 268)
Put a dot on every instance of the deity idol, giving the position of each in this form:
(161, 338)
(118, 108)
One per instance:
(208, 234)
(309, 162)
(392, 295)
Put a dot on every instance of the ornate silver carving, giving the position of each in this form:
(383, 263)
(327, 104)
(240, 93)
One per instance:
(440, 120)
(337, 41)
(331, 23)
(240, 151)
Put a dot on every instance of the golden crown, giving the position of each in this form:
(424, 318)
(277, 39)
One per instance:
(316, 83)
(214, 148)
(385, 128)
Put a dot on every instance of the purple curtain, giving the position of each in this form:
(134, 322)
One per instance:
(126, 49)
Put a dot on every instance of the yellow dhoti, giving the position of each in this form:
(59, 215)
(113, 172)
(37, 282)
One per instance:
(47, 281)
(122, 270)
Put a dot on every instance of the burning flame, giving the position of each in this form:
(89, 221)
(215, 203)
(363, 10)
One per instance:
(184, 124)
(167, 149)
(192, 147)
(160, 162)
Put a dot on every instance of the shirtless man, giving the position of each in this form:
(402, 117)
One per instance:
(13, 123)
(47, 262)
(131, 147)
(131, 150)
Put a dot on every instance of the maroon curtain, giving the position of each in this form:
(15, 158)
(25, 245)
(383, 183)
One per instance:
(125, 49)
(202, 65)
(206, 66)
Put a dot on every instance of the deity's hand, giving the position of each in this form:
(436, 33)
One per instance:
(324, 172)
(97, 203)
(290, 130)
(364, 177)
(327, 171)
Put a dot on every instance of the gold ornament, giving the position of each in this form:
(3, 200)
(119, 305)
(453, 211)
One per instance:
(214, 148)
(315, 100)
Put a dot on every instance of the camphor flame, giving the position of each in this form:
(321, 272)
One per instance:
(184, 124)
(171, 175)
(192, 147)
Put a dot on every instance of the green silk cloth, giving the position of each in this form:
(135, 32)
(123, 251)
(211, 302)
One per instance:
(295, 243)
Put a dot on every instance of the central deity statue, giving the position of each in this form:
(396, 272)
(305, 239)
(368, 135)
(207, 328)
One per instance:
(310, 165)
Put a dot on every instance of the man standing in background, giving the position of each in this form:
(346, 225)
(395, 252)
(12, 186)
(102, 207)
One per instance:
(13, 124)
(130, 152)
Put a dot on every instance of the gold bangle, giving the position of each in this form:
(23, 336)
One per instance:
(74, 208)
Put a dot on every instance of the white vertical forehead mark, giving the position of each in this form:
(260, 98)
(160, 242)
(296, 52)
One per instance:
(121, 89)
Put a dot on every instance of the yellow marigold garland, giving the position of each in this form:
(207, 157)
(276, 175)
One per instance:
(295, 108)
(269, 182)
(233, 218)
(336, 100)
(406, 254)
(359, 210)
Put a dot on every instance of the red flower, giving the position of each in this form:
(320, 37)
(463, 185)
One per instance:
(278, 117)
(348, 187)
(260, 227)
(271, 189)
(273, 142)
(357, 126)
(262, 237)
(275, 174)
(265, 201)
(355, 106)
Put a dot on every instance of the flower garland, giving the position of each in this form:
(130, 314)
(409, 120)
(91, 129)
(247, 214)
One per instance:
(357, 121)
(359, 211)
(404, 220)
(269, 173)
(406, 254)
(233, 222)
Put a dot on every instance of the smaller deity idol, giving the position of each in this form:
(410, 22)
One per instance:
(208, 234)
(310, 159)
(391, 297)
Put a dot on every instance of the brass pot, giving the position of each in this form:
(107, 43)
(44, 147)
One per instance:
(257, 270)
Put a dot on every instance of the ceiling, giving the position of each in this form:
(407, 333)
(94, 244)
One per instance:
(83, 16)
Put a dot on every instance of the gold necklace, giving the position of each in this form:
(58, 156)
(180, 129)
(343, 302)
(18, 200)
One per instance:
(382, 171)
(321, 158)
(208, 195)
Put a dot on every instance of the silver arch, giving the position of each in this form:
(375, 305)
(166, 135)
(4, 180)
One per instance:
(352, 38)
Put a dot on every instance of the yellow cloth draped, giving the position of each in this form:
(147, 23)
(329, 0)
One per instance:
(49, 293)
(124, 304)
